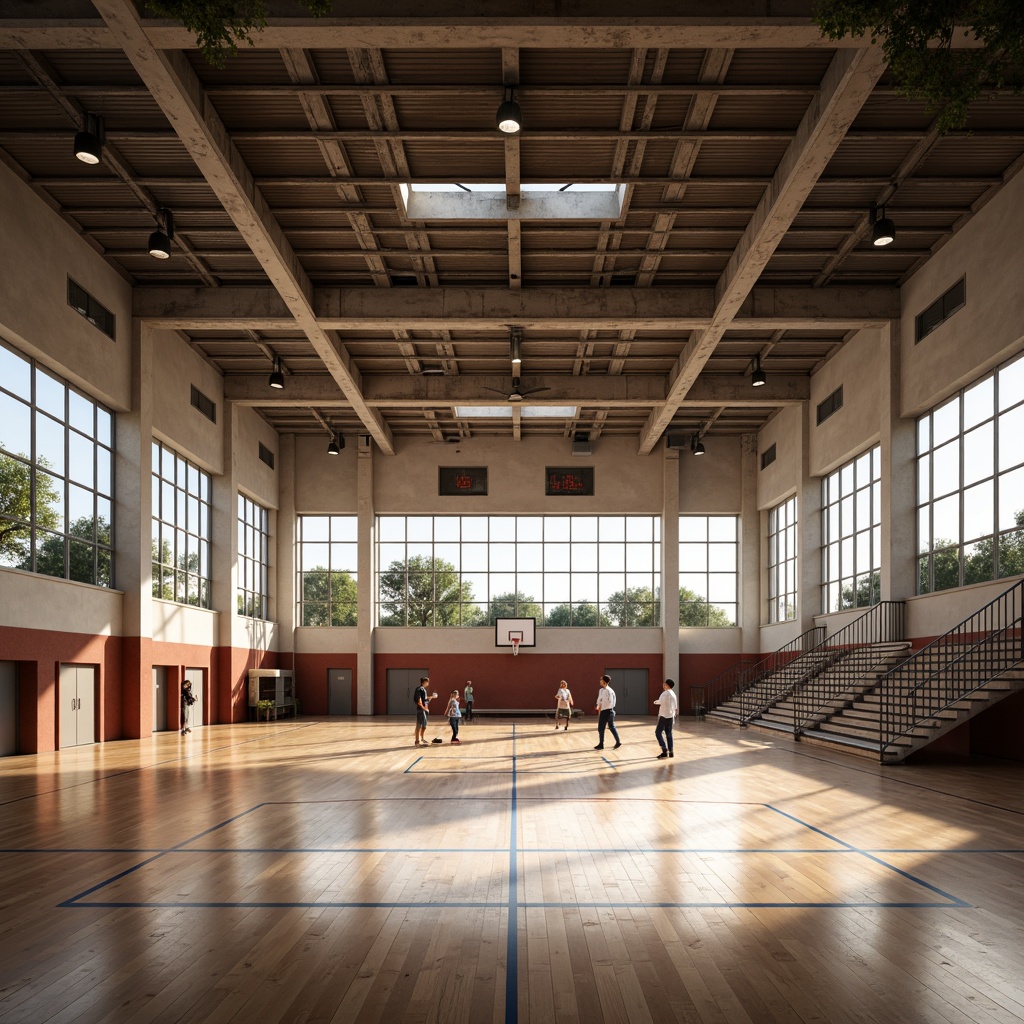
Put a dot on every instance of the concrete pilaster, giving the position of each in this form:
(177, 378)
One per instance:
(751, 605)
(670, 563)
(808, 531)
(367, 580)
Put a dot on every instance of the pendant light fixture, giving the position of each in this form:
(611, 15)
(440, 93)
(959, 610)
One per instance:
(509, 116)
(160, 240)
(758, 378)
(89, 141)
(277, 375)
(883, 231)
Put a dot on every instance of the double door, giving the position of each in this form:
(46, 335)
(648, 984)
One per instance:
(402, 683)
(76, 705)
(630, 686)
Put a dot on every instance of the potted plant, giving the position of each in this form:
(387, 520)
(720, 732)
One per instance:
(264, 708)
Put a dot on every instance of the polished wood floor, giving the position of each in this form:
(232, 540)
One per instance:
(329, 871)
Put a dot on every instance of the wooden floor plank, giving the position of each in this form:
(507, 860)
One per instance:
(327, 872)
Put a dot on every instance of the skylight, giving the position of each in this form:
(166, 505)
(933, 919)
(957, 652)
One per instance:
(488, 201)
(504, 412)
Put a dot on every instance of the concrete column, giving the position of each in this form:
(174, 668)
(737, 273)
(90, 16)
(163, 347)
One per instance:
(751, 605)
(899, 479)
(670, 564)
(808, 531)
(133, 540)
(224, 568)
(367, 580)
(286, 574)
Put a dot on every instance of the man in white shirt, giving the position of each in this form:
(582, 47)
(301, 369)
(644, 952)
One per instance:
(605, 708)
(668, 705)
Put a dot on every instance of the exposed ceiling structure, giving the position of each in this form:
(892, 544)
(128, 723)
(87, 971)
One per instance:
(746, 155)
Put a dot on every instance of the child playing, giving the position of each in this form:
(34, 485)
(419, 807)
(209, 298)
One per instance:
(563, 705)
(454, 715)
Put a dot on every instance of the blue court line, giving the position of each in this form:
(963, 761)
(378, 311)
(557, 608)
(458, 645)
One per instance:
(512, 935)
(956, 901)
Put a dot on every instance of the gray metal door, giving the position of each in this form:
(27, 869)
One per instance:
(8, 708)
(77, 707)
(630, 686)
(401, 684)
(195, 677)
(339, 691)
(159, 698)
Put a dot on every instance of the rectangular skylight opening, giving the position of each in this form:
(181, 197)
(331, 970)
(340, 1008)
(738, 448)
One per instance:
(489, 201)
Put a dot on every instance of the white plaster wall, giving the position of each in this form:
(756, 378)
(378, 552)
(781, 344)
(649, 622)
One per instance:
(176, 367)
(253, 634)
(183, 624)
(934, 614)
(857, 367)
(701, 640)
(990, 327)
(37, 252)
(326, 483)
(255, 478)
(31, 601)
(782, 478)
(712, 483)
(330, 639)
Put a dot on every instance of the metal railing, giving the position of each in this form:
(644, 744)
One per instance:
(950, 668)
(845, 663)
(738, 678)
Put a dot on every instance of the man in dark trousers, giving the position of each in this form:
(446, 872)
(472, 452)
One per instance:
(605, 708)
(422, 701)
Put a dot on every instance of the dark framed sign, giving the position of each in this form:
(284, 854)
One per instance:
(461, 480)
(569, 480)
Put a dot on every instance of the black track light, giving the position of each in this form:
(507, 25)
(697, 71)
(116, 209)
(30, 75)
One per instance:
(516, 349)
(89, 141)
(160, 240)
(696, 445)
(883, 231)
(277, 375)
(336, 445)
(509, 116)
(758, 378)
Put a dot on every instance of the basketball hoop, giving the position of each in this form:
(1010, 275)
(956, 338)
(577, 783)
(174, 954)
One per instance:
(515, 646)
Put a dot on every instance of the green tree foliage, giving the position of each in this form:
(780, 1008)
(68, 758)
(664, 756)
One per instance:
(423, 591)
(81, 553)
(694, 610)
(16, 510)
(329, 598)
(979, 561)
(220, 25)
(918, 41)
(582, 614)
(862, 594)
(513, 606)
(634, 606)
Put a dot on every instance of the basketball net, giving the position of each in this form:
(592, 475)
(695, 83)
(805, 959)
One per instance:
(515, 647)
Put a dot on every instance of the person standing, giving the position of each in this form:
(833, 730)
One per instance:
(422, 701)
(605, 708)
(668, 705)
(467, 699)
(454, 715)
(563, 705)
(188, 698)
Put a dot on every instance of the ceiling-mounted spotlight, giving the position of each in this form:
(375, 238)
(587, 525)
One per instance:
(696, 445)
(883, 231)
(509, 116)
(160, 240)
(515, 345)
(277, 375)
(336, 445)
(89, 141)
(758, 378)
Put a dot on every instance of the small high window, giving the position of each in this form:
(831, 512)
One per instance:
(940, 310)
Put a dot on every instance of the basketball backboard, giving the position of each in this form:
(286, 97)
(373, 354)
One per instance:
(523, 630)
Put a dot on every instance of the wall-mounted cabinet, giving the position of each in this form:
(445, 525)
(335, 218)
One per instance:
(272, 684)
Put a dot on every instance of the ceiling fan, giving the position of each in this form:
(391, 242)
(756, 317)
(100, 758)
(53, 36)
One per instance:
(517, 393)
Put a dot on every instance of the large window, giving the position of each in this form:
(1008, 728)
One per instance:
(782, 564)
(708, 570)
(181, 529)
(328, 560)
(253, 559)
(851, 534)
(561, 570)
(970, 483)
(56, 475)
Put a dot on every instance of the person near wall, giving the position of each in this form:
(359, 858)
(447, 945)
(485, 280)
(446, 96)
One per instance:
(188, 698)
(454, 715)
(422, 701)
(605, 708)
(467, 699)
(668, 705)
(563, 705)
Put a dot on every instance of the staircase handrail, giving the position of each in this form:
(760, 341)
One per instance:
(747, 671)
(910, 697)
(882, 623)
